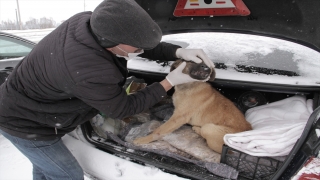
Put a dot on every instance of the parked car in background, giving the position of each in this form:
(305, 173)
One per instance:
(12, 50)
(264, 52)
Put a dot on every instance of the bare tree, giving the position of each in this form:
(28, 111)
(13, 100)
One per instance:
(47, 23)
(32, 24)
(8, 25)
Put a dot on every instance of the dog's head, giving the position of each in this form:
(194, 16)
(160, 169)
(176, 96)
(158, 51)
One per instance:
(197, 71)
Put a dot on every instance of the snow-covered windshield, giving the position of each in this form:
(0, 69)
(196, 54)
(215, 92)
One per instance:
(245, 57)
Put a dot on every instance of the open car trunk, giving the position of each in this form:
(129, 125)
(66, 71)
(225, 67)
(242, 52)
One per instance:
(113, 136)
(265, 56)
(256, 65)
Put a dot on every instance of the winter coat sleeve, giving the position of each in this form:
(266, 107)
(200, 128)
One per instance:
(162, 52)
(112, 100)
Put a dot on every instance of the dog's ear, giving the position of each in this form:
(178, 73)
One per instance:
(175, 64)
(212, 75)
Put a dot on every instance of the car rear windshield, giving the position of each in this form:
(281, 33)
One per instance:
(246, 57)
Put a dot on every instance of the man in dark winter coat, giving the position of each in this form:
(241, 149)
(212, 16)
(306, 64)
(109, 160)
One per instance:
(75, 72)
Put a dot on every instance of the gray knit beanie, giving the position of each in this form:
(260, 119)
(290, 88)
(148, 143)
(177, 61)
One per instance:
(124, 22)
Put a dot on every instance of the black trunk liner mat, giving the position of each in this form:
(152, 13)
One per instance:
(219, 169)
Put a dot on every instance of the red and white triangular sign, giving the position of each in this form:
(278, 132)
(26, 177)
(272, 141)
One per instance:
(211, 8)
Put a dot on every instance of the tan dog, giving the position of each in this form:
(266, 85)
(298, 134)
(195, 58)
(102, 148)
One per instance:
(200, 105)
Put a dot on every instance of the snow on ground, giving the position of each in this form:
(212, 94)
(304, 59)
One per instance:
(13, 165)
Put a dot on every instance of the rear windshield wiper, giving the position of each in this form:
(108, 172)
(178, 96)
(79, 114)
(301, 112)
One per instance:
(256, 70)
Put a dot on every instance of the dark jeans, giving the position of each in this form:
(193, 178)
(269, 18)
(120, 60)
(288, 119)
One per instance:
(50, 159)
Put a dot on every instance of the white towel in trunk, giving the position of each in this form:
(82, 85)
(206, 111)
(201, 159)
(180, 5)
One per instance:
(276, 127)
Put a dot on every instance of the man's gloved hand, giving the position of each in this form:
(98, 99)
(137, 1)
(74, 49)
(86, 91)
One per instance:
(176, 76)
(195, 55)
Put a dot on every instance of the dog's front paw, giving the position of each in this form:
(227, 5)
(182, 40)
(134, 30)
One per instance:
(142, 140)
(197, 129)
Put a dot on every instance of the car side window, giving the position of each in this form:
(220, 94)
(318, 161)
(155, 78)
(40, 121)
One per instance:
(13, 48)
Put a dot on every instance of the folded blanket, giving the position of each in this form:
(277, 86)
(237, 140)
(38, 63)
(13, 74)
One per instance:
(276, 127)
